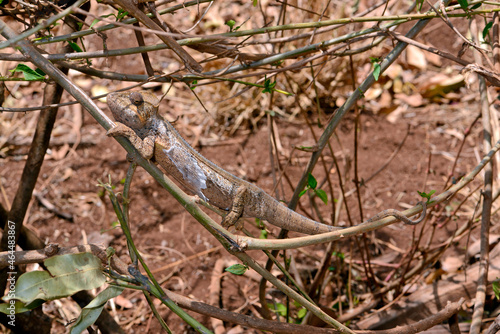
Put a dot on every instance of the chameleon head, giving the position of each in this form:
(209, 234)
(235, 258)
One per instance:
(134, 109)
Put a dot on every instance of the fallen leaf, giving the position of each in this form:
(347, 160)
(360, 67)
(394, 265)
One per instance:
(397, 86)
(394, 71)
(396, 114)
(58, 154)
(123, 302)
(385, 101)
(415, 57)
(99, 90)
(414, 100)
(440, 85)
(433, 58)
(452, 264)
(373, 93)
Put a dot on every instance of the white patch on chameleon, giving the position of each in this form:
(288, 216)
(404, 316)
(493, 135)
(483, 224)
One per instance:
(161, 128)
(189, 168)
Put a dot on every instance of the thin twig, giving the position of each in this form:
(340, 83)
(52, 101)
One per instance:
(482, 281)
(357, 94)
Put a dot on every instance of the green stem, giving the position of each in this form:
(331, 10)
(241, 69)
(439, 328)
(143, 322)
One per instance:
(251, 32)
(154, 289)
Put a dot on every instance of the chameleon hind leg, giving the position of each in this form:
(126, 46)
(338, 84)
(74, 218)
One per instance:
(233, 216)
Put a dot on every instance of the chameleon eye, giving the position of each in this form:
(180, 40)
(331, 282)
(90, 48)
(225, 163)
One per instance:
(136, 98)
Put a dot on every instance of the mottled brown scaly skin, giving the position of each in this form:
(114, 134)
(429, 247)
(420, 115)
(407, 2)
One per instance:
(155, 138)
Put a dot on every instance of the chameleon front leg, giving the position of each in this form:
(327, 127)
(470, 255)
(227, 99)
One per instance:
(231, 219)
(145, 147)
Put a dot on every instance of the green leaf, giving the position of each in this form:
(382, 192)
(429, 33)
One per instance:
(425, 195)
(302, 313)
(303, 192)
(263, 234)
(340, 255)
(91, 312)
(361, 92)
(15, 307)
(476, 6)
(271, 112)
(281, 309)
(107, 15)
(28, 73)
(230, 24)
(237, 269)
(40, 38)
(486, 29)
(311, 181)
(193, 84)
(376, 71)
(277, 63)
(419, 5)
(67, 274)
(496, 288)
(94, 22)
(268, 86)
(255, 2)
(110, 251)
(322, 195)
(464, 4)
(75, 46)
(121, 14)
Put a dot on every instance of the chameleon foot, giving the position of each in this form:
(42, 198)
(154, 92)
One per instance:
(231, 219)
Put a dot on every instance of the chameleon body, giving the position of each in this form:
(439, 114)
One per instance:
(156, 139)
(137, 118)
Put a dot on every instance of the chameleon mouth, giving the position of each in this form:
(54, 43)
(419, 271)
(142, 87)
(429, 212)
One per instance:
(141, 117)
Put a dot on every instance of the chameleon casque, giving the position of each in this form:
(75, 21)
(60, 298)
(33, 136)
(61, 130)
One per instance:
(137, 118)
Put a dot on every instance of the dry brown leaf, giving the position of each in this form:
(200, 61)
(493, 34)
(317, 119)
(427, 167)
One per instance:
(440, 84)
(434, 276)
(373, 93)
(67, 173)
(394, 71)
(415, 57)
(123, 302)
(385, 101)
(475, 248)
(99, 90)
(451, 264)
(414, 100)
(58, 154)
(396, 114)
(433, 59)
(397, 86)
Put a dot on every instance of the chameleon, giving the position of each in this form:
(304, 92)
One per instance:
(137, 118)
